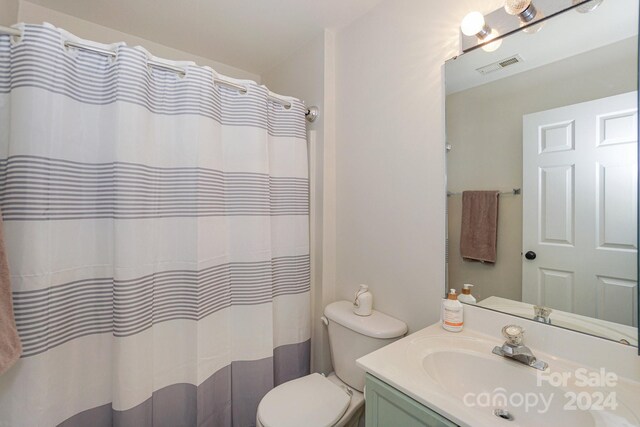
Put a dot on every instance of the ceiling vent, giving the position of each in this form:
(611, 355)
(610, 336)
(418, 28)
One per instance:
(512, 60)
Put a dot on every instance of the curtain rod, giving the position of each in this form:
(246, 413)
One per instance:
(10, 31)
(311, 113)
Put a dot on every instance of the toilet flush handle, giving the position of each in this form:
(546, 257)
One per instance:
(325, 321)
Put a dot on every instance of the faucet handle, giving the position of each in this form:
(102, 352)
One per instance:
(541, 311)
(514, 334)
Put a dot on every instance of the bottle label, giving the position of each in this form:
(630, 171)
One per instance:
(452, 317)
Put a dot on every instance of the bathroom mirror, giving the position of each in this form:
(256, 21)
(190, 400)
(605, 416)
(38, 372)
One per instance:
(552, 114)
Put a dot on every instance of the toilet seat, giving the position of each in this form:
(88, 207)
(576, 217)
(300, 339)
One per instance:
(311, 401)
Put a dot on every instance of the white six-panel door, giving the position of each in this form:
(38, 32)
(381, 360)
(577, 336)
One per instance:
(580, 208)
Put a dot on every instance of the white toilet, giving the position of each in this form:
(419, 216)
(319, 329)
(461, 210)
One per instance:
(335, 400)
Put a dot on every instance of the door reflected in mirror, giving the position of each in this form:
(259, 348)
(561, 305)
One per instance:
(560, 123)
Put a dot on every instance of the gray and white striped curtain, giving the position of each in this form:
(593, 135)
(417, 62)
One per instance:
(158, 239)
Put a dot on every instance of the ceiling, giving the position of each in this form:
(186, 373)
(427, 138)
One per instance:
(247, 34)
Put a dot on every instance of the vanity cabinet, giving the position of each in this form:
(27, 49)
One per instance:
(387, 407)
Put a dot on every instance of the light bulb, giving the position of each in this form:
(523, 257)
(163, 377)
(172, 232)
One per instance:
(472, 24)
(489, 45)
(523, 9)
(516, 7)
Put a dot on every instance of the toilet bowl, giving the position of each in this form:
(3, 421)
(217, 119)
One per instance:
(336, 400)
(313, 400)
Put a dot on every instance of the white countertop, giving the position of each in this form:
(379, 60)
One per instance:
(400, 365)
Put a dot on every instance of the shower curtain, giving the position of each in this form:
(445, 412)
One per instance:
(158, 238)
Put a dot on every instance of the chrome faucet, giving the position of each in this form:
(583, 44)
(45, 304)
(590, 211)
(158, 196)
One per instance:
(514, 349)
(541, 314)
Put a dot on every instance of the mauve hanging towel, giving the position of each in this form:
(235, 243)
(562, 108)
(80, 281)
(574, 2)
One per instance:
(10, 346)
(479, 231)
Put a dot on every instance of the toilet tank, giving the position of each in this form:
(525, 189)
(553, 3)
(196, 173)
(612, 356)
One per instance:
(352, 336)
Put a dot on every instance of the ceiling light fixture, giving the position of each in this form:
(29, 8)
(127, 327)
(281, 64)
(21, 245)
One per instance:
(474, 25)
(523, 9)
(526, 12)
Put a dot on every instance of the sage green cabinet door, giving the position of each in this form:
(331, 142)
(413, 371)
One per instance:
(387, 407)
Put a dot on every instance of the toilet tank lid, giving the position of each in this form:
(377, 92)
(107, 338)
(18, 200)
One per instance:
(378, 325)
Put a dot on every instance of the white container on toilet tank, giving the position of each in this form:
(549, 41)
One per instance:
(363, 301)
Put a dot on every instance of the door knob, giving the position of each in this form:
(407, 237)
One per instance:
(530, 255)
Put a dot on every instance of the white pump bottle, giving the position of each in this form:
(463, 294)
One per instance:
(452, 314)
(363, 301)
(466, 296)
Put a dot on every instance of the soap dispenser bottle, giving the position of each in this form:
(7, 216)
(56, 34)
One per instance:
(466, 296)
(452, 313)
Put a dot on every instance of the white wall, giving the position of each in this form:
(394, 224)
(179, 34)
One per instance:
(381, 220)
(8, 12)
(35, 14)
(307, 74)
(390, 167)
(379, 156)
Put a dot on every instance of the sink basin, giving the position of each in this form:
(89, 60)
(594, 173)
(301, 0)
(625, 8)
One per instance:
(468, 373)
(489, 384)
(458, 376)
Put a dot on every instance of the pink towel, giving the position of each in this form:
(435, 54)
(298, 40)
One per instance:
(10, 346)
(479, 232)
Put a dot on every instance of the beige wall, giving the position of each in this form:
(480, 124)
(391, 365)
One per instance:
(8, 12)
(308, 75)
(484, 127)
(35, 14)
